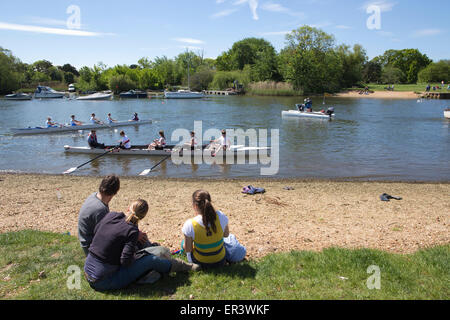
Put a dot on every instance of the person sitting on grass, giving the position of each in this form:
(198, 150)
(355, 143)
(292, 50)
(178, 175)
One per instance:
(203, 234)
(94, 209)
(111, 263)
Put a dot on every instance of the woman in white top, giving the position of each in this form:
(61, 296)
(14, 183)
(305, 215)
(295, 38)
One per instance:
(94, 120)
(203, 234)
(158, 144)
(74, 122)
(125, 142)
(221, 144)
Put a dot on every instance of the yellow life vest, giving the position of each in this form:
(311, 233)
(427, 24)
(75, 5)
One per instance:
(208, 249)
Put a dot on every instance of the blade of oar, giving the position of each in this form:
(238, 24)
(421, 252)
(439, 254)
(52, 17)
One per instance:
(147, 171)
(75, 169)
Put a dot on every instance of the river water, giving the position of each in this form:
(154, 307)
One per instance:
(369, 139)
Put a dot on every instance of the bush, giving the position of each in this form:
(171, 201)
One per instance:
(121, 83)
(436, 72)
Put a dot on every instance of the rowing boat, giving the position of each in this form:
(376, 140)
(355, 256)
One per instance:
(169, 150)
(67, 128)
(311, 115)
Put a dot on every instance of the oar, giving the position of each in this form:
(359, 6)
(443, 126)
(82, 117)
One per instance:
(75, 169)
(147, 171)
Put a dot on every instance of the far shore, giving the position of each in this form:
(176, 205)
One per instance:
(314, 216)
(379, 95)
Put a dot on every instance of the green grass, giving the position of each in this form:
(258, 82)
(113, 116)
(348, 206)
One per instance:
(419, 87)
(331, 274)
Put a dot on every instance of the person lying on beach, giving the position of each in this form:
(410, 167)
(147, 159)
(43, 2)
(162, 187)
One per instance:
(158, 144)
(203, 234)
(111, 263)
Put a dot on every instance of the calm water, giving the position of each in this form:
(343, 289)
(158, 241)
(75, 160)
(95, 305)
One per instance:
(370, 139)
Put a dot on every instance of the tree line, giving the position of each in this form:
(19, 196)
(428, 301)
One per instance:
(311, 62)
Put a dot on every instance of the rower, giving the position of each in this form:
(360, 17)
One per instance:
(74, 122)
(135, 117)
(50, 124)
(223, 143)
(92, 141)
(94, 120)
(110, 119)
(193, 141)
(308, 105)
(125, 142)
(158, 144)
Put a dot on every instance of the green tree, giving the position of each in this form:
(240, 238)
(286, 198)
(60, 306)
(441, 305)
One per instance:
(202, 78)
(371, 72)
(436, 72)
(392, 75)
(10, 77)
(353, 63)
(310, 62)
(121, 83)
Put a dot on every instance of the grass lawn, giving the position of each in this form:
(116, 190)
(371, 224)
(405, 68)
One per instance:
(331, 274)
(420, 87)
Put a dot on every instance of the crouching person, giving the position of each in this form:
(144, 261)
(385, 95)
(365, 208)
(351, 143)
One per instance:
(111, 263)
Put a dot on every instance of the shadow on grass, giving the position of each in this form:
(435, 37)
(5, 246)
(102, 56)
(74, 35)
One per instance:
(168, 284)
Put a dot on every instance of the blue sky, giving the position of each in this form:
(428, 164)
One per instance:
(116, 32)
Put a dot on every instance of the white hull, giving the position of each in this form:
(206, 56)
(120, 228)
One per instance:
(310, 115)
(96, 96)
(184, 95)
(447, 114)
(143, 151)
(18, 97)
(40, 130)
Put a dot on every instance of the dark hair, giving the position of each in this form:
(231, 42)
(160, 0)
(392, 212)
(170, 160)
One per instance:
(162, 134)
(122, 132)
(110, 185)
(202, 200)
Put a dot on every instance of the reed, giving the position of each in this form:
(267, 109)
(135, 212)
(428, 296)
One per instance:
(272, 88)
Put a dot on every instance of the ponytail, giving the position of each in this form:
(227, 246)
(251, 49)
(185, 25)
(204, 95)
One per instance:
(138, 210)
(202, 200)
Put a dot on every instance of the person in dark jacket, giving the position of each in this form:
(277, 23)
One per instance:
(111, 263)
(92, 140)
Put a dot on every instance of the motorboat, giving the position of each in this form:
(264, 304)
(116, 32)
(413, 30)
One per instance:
(68, 128)
(309, 115)
(107, 95)
(43, 92)
(18, 96)
(72, 88)
(183, 94)
(134, 94)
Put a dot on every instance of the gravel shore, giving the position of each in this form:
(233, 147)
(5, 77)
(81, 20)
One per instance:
(316, 215)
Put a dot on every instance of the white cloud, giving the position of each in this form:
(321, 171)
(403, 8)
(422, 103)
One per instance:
(56, 31)
(343, 27)
(223, 13)
(274, 7)
(253, 4)
(426, 32)
(383, 4)
(274, 33)
(189, 40)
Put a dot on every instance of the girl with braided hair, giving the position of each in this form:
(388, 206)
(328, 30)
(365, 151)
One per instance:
(203, 242)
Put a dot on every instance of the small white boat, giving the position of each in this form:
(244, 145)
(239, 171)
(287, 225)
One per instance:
(304, 114)
(447, 113)
(43, 92)
(68, 128)
(143, 151)
(72, 87)
(18, 96)
(184, 94)
(97, 96)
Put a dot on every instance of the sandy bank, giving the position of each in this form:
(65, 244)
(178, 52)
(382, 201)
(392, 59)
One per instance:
(314, 216)
(379, 95)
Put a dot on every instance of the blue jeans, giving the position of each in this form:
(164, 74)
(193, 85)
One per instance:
(127, 275)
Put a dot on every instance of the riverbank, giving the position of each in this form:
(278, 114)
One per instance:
(314, 216)
(378, 95)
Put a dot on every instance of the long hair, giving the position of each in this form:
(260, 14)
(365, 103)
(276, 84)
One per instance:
(138, 211)
(202, 200)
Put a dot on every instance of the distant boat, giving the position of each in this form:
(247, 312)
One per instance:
(184, 94)
(97, 96)
(43, 92)
(18, 96)
(71, 87)
(447, 113)
(134, 94)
